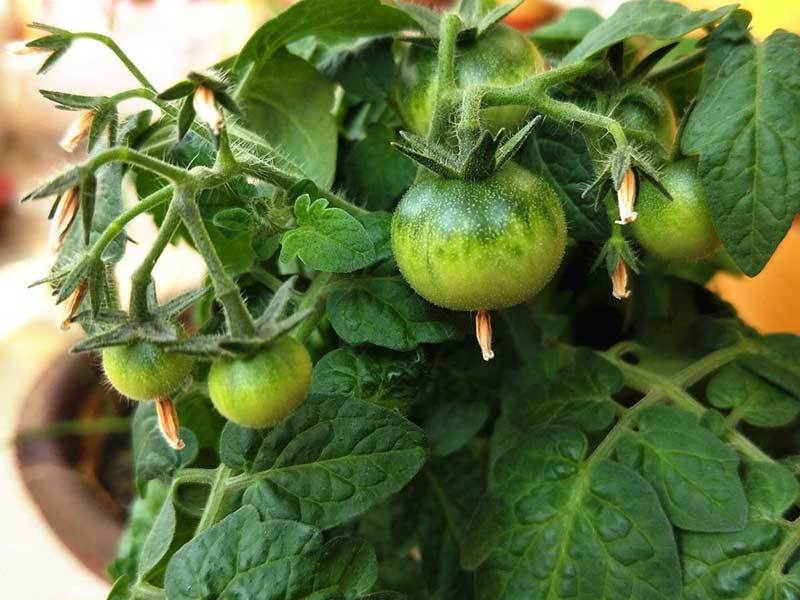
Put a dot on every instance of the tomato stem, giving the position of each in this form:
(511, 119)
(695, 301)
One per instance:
(216, 495)
(445, 76)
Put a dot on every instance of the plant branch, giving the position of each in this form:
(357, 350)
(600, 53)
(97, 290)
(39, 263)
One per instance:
(114, 47)
(312, 299)
(130, 156)
(216, 496)
(445, 76)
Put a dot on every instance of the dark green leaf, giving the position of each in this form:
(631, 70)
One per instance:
(327, 239)
(452, 425)
(378, 225)
(330, 461)
(329, 18)
(120, 590)
(551, 526)
(385, 312)
(427, 19)
(694, 473)
(724, 566)
(744, 131)
(159, 540)
(367, 72)
(559, 154)
(242, 557)
(751, 398)
(288, 103)
(347, 565)
(185, 118)
(234, 219)
(653, 18)
(177, 91)
(375, 173)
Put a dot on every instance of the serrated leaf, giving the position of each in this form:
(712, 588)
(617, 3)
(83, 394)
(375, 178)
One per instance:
(553, 527)
(385, 312)
(244, 557)
(347, 565)
(288, 103)
(751, 398)
(330, 461)
(329, 18)
(559, 154)
(694, 473)
(653, 18)
(742, 128)
(739, 565)
(327, 239)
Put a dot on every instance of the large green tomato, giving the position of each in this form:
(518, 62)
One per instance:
(261, 390)
(500, 57)
(143, 371)
(468, 245)
(677, 229)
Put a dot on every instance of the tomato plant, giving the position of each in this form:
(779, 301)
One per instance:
(374, 187)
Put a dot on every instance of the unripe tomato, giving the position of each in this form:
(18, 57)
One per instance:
(143, 371)
(467, 245)
(677, 229)
(500, 57)
(636, 115)
(261, 390)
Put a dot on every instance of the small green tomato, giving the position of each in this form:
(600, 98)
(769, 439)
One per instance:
(143, 371)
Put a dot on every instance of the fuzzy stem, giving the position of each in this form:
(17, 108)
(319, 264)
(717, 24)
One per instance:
(312, 298)
(130, 156)
(445, 76)
(215, 498)
(237, 317)
(142, 276)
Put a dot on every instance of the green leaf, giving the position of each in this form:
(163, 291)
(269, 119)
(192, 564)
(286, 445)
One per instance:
(379, 229)
(376, 173)
(330, 461)
(744, 130)
(451, 425)
(153, 457)
(385, 312)
(382, 378)
(327, 239)
(242, 557)
(539, 397)
(349, 566)
(329, 18)
(234, 219)
(288, 103)
(653, 18)
(159, 539)
(553, 527)
(740, 565)
(572, 26)
(120, 590)
(751, 398)
(559, 154)
(367, 72)
(694, 473)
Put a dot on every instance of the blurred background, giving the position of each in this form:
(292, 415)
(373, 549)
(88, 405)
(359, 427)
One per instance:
(44, 550)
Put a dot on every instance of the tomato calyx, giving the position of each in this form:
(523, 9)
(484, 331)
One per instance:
(620, 260)
(475, 18)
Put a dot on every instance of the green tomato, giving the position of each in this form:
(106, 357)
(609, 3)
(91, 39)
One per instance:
(636, 115)
(261, 390)
(500, 57)
(677, 229)
(468, 245)
(143, 371)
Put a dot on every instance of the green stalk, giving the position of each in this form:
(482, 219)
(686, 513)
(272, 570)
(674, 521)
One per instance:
(143, 274)
(215, 498)
(445, 76)
(237, 317)
(312, 299)
(130, 156)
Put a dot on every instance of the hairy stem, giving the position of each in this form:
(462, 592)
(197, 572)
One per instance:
(143, 274)
(237, 317)
(445, 76)
(216, 495)
(312, 298)
(130, 156)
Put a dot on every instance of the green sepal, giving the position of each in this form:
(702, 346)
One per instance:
(66, 101)
(641, 70)
(105, 117)
(157, 331)
(58, 185)
(87, 203)
(179, 90)
(185, 117)
(512, 145)
(497, 14)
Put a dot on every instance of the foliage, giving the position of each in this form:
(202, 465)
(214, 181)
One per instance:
(634, 446)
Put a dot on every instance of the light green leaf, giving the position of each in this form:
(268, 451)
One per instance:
(559, 154)
(740, 565)
(653, 18)
(348, 566)
(551, 526)
(242, 557)
(120, 590)
(330, 461)
(745, 131)
(158, 541)
(327, 239)
(329, 18)
(288, 103)
(752, 399)
(385, 312)
(694, 473)
(572, 26)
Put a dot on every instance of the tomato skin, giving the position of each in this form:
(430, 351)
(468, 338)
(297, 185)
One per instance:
(681, 229)
(500, 57)
(467, 245)
(261, 390)
(637, 116)
(143, 371)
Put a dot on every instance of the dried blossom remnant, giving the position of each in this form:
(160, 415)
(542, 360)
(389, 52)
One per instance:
(77, 131)
(205, 105)
(619, 281)
(483, 332)
(168, 423)
(72, 304)
(626, 197)
(65, 216)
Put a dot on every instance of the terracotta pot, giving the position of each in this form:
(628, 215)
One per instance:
(68, 477)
